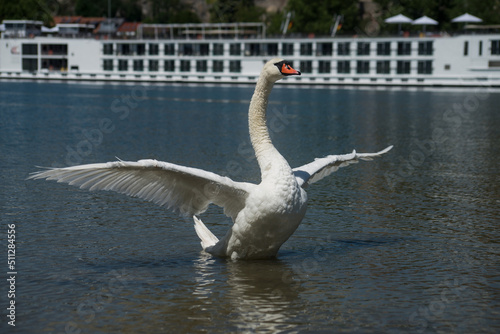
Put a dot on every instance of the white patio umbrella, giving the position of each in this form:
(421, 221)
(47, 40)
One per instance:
(399, 19)
(50, 30)
(466, 18)
(424, 21)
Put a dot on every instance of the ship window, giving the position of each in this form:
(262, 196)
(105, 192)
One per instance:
(218, 66)
(363, 66)
(185, 66)
(425, 48)
(324, 49)
(403, 67)
(154, 66)
(480, 48)
(343, 66)
(154, 49)
(306, 66)
(201, 66)
(287, 49)
(324, 66)
(169, 65)
(235, 49)
(201, 49)
(252, 49)
(271, 49)
(344, 49)
(218, 49)
(306, 49)
(30, 65)
(141, 49)
(54, 49)
(185, 50)
(107, 64)
(55, 64)
(383, 67)
(258, 49)
(424, 67)
(234, 66)
(169, 49)
(122, 65)
(466, 48)
(363, 49)
(130, 49)
(108, 48)
(383, 49)
(138, 65)
(30, 49)
(404, 48)
(495, 47)
(123, 49)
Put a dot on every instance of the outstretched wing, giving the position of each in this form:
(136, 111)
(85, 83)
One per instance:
(323, 167)
(184, 189)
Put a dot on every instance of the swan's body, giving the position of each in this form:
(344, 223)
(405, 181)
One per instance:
(264, 215)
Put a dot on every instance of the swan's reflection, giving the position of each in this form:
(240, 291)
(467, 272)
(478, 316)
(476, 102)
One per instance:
(259, 295)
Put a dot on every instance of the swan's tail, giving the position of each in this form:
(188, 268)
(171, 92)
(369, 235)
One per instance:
(207, 238)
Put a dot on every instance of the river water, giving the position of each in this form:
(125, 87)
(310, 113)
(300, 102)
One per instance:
(408, 243)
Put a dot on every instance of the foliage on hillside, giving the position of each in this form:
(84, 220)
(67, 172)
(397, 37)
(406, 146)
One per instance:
(308, 16)
(442, 11)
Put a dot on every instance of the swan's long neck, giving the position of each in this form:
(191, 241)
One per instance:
(267, 155)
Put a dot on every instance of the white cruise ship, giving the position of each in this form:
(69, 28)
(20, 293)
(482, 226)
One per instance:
(462, 60)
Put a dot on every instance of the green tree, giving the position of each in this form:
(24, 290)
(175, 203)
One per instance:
(274, 21)
(127, 9)
(96, 8)
(39, 10)
(487, 10)
(235, 11)
(130, 10)
(316, 16)
(171, 11)
(442, 11)
(435, 9)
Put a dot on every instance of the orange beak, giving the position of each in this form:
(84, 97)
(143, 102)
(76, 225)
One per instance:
(288, 70)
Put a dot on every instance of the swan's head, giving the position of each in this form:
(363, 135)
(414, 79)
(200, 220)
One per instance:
(277, 69)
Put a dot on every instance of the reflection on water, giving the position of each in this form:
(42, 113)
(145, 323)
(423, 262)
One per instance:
(258, 294)
(407, 243)
(264, 296)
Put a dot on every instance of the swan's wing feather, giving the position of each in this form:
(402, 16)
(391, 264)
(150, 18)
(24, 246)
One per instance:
(184, 189)
(322, 167)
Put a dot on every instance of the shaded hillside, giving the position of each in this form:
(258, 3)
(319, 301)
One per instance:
(306, 16)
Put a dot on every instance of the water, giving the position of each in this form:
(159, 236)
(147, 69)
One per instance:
(405, 244)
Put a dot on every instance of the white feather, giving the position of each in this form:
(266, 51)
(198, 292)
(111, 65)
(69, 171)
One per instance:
(322, 167)
(184, 189)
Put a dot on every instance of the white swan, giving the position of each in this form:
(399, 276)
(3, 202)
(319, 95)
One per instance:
(265, 215)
